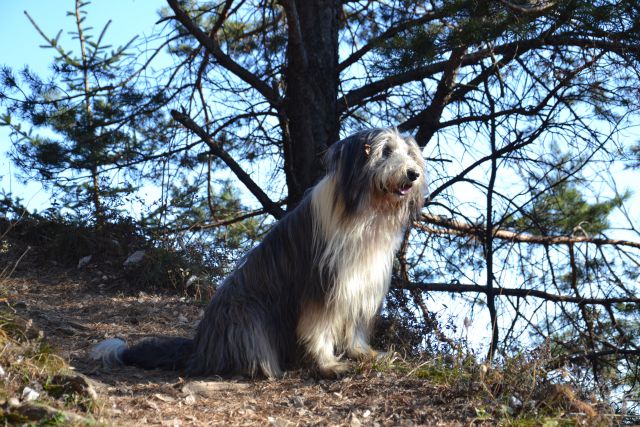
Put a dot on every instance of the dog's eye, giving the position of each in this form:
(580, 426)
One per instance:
(386, 151)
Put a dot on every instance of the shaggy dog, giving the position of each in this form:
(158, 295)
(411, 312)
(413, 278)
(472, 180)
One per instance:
(312, 288)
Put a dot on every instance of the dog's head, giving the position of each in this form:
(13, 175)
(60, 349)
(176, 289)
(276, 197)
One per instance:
(378, 166)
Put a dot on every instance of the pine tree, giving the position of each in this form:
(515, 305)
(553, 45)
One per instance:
(78, 131)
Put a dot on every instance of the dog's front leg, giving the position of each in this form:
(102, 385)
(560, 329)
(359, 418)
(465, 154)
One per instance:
(317, 333)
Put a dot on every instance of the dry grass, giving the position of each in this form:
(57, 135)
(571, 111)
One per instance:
(438, 390)
(34, 380)
(28, 362)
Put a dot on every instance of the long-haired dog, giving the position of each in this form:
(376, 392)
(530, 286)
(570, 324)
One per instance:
(312, 288)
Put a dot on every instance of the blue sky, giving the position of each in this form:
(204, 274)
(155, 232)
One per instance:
(22, 48)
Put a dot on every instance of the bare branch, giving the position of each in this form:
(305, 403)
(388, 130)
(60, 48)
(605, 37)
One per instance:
(428, 119)
(224, 222)
(598, 354)
(212, 46)
(269, 205)
(460, 228)
(357, 96)
(514, 146)
(512, 292)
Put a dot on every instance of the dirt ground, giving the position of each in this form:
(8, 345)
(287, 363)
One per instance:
(75, 311)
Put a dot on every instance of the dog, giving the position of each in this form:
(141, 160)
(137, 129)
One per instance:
(310, 291)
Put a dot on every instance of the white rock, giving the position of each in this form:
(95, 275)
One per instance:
(134, 258)
(189, 399)
(515, 402)
(297, 401)
(29, 394)
(84, 261)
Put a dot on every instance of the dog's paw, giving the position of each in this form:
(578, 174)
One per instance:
(365, 354)
(334, 370)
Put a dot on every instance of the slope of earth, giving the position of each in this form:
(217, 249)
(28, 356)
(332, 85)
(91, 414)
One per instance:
(76, 309)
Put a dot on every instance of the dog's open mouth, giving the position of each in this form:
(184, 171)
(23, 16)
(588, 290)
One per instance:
(403, 190)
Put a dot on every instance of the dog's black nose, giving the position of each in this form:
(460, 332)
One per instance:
(413, 174)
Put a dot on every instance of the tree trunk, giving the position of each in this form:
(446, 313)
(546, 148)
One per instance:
(311, 91)
(95, 181)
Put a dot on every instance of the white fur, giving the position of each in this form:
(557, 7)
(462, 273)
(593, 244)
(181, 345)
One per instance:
(109, 352)
(360, 249)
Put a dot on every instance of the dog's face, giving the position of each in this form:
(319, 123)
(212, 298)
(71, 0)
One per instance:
(396, 165)
(378, 165)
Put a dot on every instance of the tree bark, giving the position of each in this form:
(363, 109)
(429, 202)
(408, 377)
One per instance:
(311, 92)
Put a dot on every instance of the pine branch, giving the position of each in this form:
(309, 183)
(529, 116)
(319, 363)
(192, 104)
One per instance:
(529, 10)
(389, 33)
(270, 206)
(52, 42)
(212, 46)
(359, 96)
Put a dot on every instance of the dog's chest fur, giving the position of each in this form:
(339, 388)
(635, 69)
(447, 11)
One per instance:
(354, 253)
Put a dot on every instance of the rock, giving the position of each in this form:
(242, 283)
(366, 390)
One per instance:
(515, 402)
(71, 384)
(164, 398)
(297, 402)
(37, 411)
(134, 258)
(84, 261)
(189, 399)
(29, 394)
(277, 422)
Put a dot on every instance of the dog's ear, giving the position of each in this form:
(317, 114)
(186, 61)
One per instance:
(367, 149)
(332, 156)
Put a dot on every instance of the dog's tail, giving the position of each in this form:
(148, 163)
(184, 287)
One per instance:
(169, 353)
